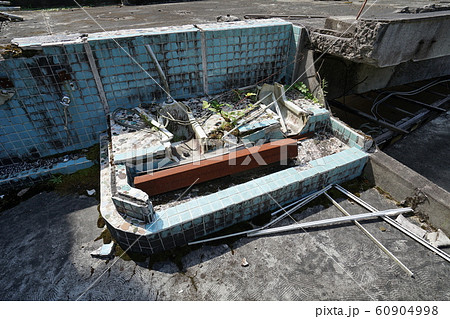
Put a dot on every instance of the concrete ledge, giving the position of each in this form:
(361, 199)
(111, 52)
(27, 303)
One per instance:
(403, 183)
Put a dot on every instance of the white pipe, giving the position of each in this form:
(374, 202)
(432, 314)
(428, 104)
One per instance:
(376, 241)
(160, 71)
(336, 220)
(307, 198)
(222, 237)
(394, 224)
(300, 203)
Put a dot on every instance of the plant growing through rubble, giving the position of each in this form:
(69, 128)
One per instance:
(303, 89)
(56, 179)
(230, 117)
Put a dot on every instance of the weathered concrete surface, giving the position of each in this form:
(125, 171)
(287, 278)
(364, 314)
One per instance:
(385, 41)
(46, 243)
(346, 77)
(427, 151)
(404, 184)
(44, 22)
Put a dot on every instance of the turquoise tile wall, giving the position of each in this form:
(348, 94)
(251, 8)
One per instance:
(35, 124)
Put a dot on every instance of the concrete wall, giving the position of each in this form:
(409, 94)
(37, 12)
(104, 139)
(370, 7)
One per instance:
(404, 184)
(34, 123)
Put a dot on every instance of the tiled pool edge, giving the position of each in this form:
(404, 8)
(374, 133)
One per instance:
(183, 223)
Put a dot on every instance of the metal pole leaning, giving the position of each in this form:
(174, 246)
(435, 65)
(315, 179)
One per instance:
(298, 204)
(330, 221)
(307, 199)
(394, 224)
(222, 237)
(376, 241)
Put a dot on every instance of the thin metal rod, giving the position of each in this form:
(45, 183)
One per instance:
(159, 69)
(405, 125)
(393, 223)
(366, 116)
(294, 16)
(314, 195)
(296, 207)
(376, 241)
(222, 237)
(330, 221)
(361, 10)
(299, 203)
(428, 106)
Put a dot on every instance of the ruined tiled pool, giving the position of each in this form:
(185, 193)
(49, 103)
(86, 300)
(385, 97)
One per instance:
(134, 221)
(71, 89)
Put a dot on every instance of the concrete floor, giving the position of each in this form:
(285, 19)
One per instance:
(74, 20)
(426, 151)
(46, 243)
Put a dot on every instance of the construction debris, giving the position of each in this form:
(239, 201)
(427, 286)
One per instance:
(9, 17)
(438, 239)
(368, 234)
(410, 226)
(105, 251)
(395, 224)
(244, 262)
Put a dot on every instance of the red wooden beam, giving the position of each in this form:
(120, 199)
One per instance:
(205, 170)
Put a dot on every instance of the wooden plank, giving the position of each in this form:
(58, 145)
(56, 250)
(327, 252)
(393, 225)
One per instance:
(205, 170)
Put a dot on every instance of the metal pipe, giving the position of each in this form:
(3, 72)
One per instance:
(336, 220)
(293, 16)
(405, 125)
(222, 237)
(366, 116)
(301, 200)
(361, 9)
(394, 224)
(305, 200)
(302, 203)
(366, 232)
(428, 106)
(160, 72)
